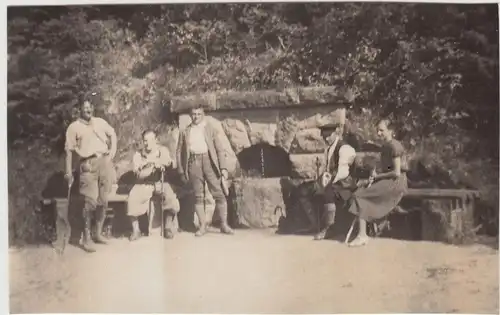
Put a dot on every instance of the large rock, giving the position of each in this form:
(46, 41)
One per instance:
(291, 97)
(256, 200)
(262, 132)
(285, 132)
(259, 99)
(236, 133)
(308, 141)
(305, 165)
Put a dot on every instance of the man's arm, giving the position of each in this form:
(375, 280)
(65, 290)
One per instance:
(180, 145)
(141, 167)
(347, 154)
(221, 152)
(110, 131)
(69, 147)
(165, 158)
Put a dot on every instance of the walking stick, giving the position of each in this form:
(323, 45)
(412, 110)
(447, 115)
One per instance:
(318, 225)
(162, 225)
(62, 233)
(68, 227)
(152, 210)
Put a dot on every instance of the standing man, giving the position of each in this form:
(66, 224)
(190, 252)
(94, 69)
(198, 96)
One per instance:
(336, 184)
(93, 142)
(201, 157)
(149, 165)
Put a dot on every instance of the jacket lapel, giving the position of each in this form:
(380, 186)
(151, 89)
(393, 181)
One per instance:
(187, 144)
(330, 155)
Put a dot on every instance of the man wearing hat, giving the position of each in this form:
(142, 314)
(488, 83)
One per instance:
(336, 184)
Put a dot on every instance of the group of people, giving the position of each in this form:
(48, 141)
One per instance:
(201, 158)
(367, 199)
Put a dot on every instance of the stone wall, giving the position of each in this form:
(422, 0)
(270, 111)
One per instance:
(287, 119)
(294, 130)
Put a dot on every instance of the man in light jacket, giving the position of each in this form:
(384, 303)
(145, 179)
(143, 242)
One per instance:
(201, 157)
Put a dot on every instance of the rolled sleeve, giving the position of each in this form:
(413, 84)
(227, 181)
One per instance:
(347, 155)
(137, 162)
(166, 158)
(70, 143)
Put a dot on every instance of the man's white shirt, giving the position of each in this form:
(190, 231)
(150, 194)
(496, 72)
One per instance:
(347, 155)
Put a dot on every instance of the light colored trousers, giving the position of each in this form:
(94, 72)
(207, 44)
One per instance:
(141, 197)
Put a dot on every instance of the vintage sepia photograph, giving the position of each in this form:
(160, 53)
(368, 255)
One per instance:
(253, 157)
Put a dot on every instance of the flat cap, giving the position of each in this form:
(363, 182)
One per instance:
(330, 126)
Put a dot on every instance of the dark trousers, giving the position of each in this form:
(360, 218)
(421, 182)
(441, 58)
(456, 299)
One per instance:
(318, 204)
(201, 169)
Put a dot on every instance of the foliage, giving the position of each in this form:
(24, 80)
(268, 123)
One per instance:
(432, 68)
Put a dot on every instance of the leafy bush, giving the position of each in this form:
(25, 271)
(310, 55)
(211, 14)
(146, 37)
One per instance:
(433, 69)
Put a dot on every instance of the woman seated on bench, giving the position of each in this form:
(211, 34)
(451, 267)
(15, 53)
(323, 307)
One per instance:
(380, 194)
(149, 165)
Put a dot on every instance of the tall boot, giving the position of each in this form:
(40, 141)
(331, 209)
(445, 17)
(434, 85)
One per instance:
(136, 233)
(200, 212)
(169, 222)
(329, 216)
(100, 218)
(87, 237)
(224, 227)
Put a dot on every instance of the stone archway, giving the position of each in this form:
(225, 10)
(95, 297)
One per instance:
(264, 160)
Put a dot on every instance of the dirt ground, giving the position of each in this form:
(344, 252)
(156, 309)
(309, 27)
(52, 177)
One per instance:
(255, 272)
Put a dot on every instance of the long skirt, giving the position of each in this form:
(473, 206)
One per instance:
(375, 202)
(141, 195)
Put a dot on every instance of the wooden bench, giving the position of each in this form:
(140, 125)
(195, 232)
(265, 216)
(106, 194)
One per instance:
(115, 197)
(462, 204)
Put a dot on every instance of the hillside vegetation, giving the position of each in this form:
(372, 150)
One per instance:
(432, 68)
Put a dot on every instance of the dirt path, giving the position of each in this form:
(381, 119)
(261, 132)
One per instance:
(255, 272)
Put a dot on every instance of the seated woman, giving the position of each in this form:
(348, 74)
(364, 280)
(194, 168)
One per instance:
(149, 165)
(379, 195)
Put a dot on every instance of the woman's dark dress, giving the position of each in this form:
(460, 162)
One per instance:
(382, 196)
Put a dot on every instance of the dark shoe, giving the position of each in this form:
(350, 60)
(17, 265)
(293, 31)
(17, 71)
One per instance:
(320, 236)
(87, 237)
(134, 236)
(201, 231)
(87, 247)
(169, 234)
(99, 239)
(225, 229)
(359, 241)
(59, 248)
